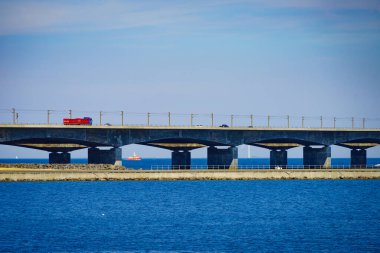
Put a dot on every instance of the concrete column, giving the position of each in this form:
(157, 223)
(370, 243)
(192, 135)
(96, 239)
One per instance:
(358, 158)
(98, 156)
(62, 158)
(278, 158)
(222, 158)
(317, 157)
(181, 159)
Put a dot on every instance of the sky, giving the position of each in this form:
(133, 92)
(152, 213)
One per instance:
(261, 57)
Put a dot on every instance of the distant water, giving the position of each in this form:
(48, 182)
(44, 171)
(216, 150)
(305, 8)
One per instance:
(147, 163)
(191, 216)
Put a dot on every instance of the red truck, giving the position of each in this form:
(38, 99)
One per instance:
(78, 121)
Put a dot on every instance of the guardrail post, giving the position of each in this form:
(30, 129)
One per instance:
(334, 122)
(288, 117)
(268, 121)
(353, 123)
(148, 119)
(70, 114)
(321, 122)
(14, 115)
(232, 120)
(363, 122)
(251, 116)
(48, 117)
(100, 118)
(191, 119)
(169, 118)
(122, 118)
(303, 121)
(212, 119)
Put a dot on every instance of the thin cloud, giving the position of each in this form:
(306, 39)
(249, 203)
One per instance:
(31, 17)
(25, 17)
(370, 5)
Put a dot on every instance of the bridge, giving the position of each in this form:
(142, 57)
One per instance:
(182, 133)
(104, 142)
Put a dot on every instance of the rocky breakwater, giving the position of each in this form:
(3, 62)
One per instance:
(29, 166)
(85, 172)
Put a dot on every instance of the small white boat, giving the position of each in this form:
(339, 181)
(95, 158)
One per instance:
(134, 157)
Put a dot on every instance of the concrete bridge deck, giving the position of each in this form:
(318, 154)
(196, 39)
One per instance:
(59, 140)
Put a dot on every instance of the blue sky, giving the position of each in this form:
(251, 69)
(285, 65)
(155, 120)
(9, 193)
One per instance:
(261, 57)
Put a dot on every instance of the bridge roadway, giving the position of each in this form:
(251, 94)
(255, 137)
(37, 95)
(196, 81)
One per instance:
(222, 142)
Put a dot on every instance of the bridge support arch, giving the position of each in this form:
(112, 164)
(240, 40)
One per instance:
(222, 158)
(61, 158)
(358, 158)
(181, 159)
(278, 157)
(317, 157)
(99, 156)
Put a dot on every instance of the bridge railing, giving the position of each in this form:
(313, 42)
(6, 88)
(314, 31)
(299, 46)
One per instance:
(126, 118)
(260, 167)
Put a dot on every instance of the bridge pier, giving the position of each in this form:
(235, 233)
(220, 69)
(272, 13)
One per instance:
(98, 156)
(358, 158)
(222, 158)
(278, 158)
(181, 159)
(317, 157)
(61, 158)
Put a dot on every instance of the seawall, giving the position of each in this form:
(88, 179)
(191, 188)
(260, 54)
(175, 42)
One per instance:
(7, 175)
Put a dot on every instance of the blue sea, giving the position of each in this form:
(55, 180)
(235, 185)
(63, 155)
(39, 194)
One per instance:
(149, 163)
(191, 216)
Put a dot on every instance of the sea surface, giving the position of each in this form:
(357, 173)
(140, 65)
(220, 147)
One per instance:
(151, 163)
(191, 216)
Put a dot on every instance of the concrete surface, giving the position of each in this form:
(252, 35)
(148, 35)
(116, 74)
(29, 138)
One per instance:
(102, 175)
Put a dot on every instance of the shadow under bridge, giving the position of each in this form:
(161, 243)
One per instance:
(217, 157)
